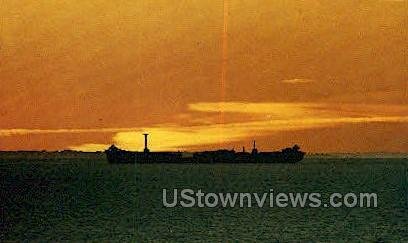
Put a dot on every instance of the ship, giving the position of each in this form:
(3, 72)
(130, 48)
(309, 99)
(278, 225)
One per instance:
(116, 155)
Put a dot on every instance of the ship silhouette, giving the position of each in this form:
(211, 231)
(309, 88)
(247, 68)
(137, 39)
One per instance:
(116, 155)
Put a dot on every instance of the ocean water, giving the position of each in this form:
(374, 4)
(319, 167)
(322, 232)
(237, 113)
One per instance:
(77, 199)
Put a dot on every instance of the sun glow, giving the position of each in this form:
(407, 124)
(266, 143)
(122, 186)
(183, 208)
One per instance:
(271, 117)
(80, 75)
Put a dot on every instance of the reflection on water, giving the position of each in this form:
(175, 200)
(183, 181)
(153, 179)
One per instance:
(84, 199)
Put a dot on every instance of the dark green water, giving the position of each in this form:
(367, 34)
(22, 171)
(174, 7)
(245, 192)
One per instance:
(88, 199)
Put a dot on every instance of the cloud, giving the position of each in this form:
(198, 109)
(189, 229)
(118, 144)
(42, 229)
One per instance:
(24, 131)
(178, 138)
(271, 117)
(89, 147)
(256, 119)
(278, 109)
(297, 81)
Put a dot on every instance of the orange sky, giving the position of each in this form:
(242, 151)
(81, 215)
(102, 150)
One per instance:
(328, 75)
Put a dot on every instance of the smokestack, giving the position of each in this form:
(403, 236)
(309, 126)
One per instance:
(254, 150)
(146, 150)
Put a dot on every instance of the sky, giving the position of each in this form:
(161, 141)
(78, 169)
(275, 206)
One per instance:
(330, 76)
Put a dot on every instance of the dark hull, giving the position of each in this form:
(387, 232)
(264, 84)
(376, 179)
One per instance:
(127, 157)
(118, 156)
